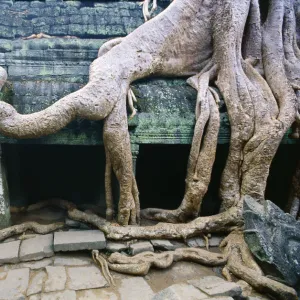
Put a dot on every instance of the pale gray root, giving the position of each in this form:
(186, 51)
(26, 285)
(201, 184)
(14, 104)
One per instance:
(242, 265)
(32, 226)
(140, 264)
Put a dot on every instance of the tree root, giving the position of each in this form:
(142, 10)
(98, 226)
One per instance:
(140, 264)
(100, 260)
(242, 265)
(33, 226)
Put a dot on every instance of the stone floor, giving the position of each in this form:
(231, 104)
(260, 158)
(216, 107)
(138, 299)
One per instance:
(58, 266)
(71, 276)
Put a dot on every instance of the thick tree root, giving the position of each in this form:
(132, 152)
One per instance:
(32, 226)
(140, 264)
(242, 265)
(101, 261)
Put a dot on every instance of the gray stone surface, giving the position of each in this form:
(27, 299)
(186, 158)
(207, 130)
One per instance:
(79, 240)
(9, 252)
(76, 224)
(180, 291)
(163, 245)
(135, 288)
(274, 239)
(196, 242)
(139, 247)
(96, 294)
(215, 240)
(62, 260)
(34, 265)
(56, 280)
(36, 283)
(15, 285)
(37, 248)
(216, 286)
(65, 295)
(116, 247)
(82, 278)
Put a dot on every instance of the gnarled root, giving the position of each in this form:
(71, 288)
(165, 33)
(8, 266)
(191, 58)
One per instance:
(242, 265)
(202, 155)
(32, 226)
(140, 264)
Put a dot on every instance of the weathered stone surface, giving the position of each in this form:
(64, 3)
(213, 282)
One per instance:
(62, 260)
(56, 280)
(79, 240)
(9, 252)
(216, 286)
(36, 283)
(180, 291)
(163, 245)
(37, 248)
(65, 295)
(135, 288)
(76, 224)
(96, 294)
(34, 265)
(116, 247)
(35, 297)
(274, 239)
(215, 240)
(15, 285)
(140, 247)
(82, 278)
(196, 242)
(3, 275)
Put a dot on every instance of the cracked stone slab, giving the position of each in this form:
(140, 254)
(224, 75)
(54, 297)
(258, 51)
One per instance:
(180, 291)
(9, 252)
(56, 280)
(140, 247)
(65, 295)
(36, 283)
(135, 288)
(82, 278)
(163, 245)
(79, 240)
(37, 248)
(216, 286)
(15, 285)
(34, 265)
(62, 260)
(116, 247)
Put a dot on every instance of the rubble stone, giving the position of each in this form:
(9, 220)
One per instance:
(56, 280)
(163, 245)
(36, 283)
(140, 247)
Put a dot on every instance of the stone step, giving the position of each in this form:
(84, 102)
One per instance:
(79, 240)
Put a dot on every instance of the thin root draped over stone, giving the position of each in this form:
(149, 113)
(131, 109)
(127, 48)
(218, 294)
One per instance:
(242, 265)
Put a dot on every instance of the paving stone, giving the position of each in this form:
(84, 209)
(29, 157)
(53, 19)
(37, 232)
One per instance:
(79, 240)
(35, 265)
(135, 288)
(140, 247)
(3, 275)
(96, 294)
(9, 252)
(116, 247)
(61, 260)
(196, 242)
(36, 283)
(216, 240)
(65, 295)
(82, 278)
(15, 285)
(179, 292)
(37, 248)
(35, 297)
(163, 245)
(56, 280)
(216, 286)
